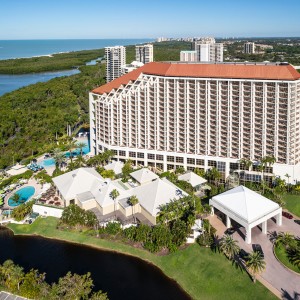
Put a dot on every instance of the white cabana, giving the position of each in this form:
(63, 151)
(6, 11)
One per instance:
(247, 208)
(195, 180)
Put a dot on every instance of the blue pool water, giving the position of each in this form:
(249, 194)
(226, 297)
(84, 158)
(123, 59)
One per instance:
(25, 193)
(50, 162)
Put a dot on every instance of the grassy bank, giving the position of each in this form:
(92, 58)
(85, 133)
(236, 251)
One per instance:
(202, 273)
(282, 256)
(292, 204)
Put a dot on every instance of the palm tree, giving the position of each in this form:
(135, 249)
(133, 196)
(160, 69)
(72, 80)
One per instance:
(133, 200)
(71, 146)
(114, 194)
(81, 145)
(229, 246)
(255, 264)
(16, 198)
(59, 157)
(294, 256)
(285, 238)
(288, 180)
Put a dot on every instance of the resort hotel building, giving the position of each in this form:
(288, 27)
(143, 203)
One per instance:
(197, 115)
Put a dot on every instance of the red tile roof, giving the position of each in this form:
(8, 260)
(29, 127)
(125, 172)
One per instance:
(227, 71)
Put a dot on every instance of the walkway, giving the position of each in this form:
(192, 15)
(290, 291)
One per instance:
(286, 282)
(8, 296)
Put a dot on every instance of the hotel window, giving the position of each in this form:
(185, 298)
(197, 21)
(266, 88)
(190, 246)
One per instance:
(122, 153)
(170, 158)
(159, 157)
(132, 154)
(179, 160)
(200, 162)
(212, 163)
(191, 161)
(140, 155)
(151, 156)
(221, 166)
(170, 167)
(115, 152)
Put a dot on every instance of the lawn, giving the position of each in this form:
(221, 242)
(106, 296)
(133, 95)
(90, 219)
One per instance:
(282, 256)
(202, 273)
(293, 204)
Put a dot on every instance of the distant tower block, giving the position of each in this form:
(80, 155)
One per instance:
(208, 50)
(249, 48)
(115, 58)
(144, 53)
(188, 56)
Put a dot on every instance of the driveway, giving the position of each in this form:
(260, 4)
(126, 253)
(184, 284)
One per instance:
(286, 282)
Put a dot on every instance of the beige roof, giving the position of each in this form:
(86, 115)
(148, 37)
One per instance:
(116, 166)
(192, 178)
(156, 193)
(77, 181)
(143, 175)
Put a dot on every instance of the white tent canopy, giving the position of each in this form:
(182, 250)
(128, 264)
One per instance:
(247, 208)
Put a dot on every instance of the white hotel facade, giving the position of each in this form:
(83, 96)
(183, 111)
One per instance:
(201, 115)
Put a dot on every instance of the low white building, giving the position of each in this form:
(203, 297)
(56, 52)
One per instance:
(130, 67)
(247, 208)
(196, 181)
(89, 190)
(115, 166)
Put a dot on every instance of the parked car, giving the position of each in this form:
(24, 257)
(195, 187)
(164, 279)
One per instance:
(287, 215)
(243, 254)
(258, 248)
(297, 222)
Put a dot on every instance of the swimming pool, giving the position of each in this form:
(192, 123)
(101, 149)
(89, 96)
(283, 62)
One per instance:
(49, 162)
(25, 194)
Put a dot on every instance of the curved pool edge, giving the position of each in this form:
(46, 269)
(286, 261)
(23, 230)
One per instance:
(11, 194)
(103, 248)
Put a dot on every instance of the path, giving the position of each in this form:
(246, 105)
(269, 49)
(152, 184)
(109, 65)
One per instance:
(286, 282)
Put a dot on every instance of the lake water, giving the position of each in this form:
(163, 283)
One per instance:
(121, 276)
(29, 48)
(9, 83)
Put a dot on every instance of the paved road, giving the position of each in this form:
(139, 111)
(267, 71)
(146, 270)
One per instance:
(283, 280)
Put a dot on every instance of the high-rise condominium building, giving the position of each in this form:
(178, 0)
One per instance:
(115, 58)
(188, 56)
(249, 48)
(144, 53)
(208, 50)
(201, 115)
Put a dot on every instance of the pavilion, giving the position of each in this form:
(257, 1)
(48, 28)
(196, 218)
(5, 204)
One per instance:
(247, 208)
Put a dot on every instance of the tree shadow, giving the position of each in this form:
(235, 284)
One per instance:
(286, 296)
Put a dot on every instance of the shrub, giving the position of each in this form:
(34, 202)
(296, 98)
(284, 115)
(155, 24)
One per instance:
(113, 228)
(13, 179)
(21, 211)
(205, 239)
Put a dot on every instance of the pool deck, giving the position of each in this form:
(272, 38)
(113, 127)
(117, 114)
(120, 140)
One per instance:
(31, 182)
(50, 169)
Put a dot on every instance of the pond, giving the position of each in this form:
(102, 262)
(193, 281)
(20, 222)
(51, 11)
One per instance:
(121, 276)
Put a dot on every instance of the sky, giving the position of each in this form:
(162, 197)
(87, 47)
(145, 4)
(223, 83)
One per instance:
(99, 19)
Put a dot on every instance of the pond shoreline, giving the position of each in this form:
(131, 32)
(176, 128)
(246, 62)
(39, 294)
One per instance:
(105, 249)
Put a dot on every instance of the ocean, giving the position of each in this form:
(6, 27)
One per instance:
(28, 48)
